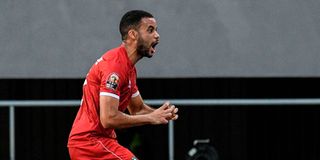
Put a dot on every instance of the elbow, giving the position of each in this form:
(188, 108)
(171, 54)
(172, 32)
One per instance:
(106, 122)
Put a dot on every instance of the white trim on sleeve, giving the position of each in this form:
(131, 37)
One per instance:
(135, 94)
(109, 94)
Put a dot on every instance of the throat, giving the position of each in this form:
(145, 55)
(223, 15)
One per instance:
(134, 57)
(132, 54)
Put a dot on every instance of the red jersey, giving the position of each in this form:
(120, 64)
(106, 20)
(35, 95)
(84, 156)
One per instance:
(112, 75)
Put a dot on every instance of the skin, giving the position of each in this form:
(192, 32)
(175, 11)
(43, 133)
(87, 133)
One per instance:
(138, 44)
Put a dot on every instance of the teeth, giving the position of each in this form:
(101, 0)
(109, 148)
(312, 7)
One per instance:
(153, 49)
(154, 45)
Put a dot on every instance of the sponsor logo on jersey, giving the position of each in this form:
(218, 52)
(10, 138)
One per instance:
(113, 81)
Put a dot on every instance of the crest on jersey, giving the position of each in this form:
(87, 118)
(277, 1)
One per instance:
(113, 81)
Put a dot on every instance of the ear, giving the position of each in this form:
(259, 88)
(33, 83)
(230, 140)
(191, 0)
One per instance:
(133, 34)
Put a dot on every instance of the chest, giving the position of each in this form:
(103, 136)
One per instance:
(128, 84)
(127, 88)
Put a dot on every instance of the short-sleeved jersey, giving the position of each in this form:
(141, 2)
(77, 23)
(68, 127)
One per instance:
(112, 75)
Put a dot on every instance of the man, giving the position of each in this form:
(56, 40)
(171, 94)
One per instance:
(110, 88)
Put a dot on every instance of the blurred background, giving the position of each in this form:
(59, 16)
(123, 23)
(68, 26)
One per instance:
(209, 49)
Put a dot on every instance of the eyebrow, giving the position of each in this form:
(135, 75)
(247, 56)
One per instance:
(150, 26)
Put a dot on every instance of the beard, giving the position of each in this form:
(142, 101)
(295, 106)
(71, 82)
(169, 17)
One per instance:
(143, 49)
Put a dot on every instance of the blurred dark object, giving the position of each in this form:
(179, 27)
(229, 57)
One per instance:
(202, 150)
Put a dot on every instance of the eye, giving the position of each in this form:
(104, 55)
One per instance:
(150, 29)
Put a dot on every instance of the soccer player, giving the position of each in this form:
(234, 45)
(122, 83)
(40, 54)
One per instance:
(110, 88)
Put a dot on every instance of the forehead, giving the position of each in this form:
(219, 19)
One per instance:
(146, 22)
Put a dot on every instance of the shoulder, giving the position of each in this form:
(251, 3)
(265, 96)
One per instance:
(112, 55)
(112, 58)
(112, 62)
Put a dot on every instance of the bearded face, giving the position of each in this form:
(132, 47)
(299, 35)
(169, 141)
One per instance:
(148, 37)
(144, 49)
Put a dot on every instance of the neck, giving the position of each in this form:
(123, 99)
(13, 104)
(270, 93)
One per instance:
(132, 53)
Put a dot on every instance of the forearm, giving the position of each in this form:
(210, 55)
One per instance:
(148, 115)
(138, 107)
(122, 120)
(144, 109)
(111, 117)
(141, 114)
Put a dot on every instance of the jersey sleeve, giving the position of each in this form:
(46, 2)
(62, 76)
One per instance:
(135, 91)
(111, 80)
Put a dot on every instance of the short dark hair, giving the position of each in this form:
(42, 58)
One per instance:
(132, 20)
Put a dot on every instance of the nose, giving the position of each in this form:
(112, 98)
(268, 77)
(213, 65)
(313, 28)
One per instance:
(157, 36)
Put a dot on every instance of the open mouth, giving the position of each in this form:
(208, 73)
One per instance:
(153, 46)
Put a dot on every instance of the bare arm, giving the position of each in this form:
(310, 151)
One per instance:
(138, 107)
(111, 117)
